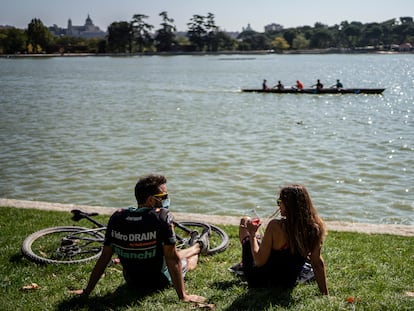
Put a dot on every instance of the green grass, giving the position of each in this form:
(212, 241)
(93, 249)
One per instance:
(376, 270)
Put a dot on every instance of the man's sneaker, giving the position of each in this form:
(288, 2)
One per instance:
(193, 238)
(204, 240)
(237, 269)
(306, 274)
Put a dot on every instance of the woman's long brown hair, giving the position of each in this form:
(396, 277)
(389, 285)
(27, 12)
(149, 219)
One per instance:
(305, 229)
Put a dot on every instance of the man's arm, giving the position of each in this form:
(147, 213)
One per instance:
(173, 262)
(97, 271)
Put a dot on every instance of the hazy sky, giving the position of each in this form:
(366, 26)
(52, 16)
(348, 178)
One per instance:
(230, 15)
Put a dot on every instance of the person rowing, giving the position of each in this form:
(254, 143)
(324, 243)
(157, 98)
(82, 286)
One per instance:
(299, 85)
(319, 85)
(337, 85)
(279, 86)
(264, 85)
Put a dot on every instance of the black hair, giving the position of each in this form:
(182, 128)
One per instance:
(148, 186)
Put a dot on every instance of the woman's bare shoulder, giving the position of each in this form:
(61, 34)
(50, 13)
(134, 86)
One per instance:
(276, 224)
(276, 228)
(277, 221)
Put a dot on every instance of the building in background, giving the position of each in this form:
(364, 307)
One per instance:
(87, 31)
(273, 27)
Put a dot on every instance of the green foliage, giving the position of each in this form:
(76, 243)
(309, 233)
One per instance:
(197, 32)
(120, 37)
(38, 36)
(165, 37)
(280, 43)
(365, 272)
(252, 40)
(300, 42)
(12, 41)
(205, 36)
(141, 32)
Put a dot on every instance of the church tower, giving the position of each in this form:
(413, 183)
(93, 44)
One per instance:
(88, 21)
(70, 32)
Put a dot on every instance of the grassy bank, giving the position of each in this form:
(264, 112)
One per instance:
(365, 272)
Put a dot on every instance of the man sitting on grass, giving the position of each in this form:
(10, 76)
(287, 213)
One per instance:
(144, 240)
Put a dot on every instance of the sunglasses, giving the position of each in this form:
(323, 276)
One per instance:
(161, 196)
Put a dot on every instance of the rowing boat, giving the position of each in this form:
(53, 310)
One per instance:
(316, 91)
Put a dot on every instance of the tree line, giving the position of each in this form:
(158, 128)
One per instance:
(203, 35)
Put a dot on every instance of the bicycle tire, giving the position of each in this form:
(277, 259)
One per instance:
(219, 240)
(40, 245)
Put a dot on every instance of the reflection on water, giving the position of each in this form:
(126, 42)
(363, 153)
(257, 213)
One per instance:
(81, 130)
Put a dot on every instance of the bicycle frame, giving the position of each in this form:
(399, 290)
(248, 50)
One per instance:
(78, 215)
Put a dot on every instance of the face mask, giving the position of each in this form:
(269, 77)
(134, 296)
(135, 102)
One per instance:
(166, 203)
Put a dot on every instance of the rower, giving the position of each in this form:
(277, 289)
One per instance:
(319, 85)
(279, 86)
(337, 85)
(264, 85)
(299, 85)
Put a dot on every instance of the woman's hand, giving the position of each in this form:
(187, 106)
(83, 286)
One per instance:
(253, 225)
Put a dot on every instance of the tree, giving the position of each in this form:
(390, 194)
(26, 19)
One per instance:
(321, 39)
(319, 25)
(351, 33)
(38, 36)
(222, 41)
(300, 42)
(403, 33)
(205, 35)
(289, 35)
(211, 30)
(12, 41)
(120, 37)
(96, 45)
(141, 32)
(252, 40)
(197, 32)
(165, 37)
(372, 35)
(67, 44)
(280, 43)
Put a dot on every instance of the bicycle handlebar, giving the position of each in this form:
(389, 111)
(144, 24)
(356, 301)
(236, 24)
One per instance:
(78, 215)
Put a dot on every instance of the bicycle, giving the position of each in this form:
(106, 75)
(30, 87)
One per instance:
(73, 244)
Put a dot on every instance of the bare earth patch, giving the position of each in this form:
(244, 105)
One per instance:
(402, 230)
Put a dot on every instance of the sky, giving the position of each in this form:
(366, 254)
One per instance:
(230, 15)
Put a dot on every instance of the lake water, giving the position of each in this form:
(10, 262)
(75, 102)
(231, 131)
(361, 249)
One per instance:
(81, 130)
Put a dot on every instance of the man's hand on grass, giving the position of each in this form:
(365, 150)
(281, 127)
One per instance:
(80, 292)
(194, 298)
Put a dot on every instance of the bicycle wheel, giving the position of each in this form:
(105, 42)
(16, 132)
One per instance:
(63, 245)
(219, 240)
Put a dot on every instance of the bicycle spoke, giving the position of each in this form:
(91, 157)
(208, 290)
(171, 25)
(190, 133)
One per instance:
(63, 245)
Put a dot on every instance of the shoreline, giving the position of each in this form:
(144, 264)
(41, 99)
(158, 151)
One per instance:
(253, 52)
(401, 230)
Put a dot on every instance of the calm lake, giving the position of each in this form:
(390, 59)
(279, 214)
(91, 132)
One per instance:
(81, 130)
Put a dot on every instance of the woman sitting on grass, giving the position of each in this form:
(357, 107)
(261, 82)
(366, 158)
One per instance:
(286, 244)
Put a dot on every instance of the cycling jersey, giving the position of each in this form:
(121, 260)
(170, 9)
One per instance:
(137, 236)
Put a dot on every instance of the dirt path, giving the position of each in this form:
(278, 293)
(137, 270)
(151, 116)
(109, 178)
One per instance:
(402, 230)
